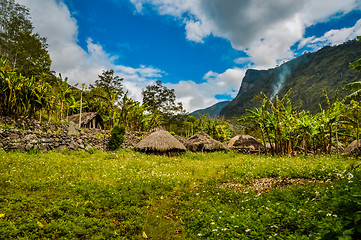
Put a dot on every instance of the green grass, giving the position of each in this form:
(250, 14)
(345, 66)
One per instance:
(130, 195)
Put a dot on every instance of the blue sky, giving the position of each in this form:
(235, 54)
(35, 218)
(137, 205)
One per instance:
(201, 48)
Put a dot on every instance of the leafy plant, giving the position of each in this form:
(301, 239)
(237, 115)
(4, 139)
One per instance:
(116, 137)
(129, 195)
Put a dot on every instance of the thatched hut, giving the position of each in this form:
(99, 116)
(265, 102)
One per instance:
(245, 142)
(160, 142)
(88, 120)
(352, 149)
(202, 142)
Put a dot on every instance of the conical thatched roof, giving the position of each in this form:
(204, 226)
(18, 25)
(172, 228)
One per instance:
(244, 141)
(202, 142)
(160, 141)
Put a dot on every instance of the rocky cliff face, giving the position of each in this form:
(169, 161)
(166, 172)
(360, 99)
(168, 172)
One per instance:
(308, 75)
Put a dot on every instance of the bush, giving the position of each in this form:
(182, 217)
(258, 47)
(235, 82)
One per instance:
(116, 137)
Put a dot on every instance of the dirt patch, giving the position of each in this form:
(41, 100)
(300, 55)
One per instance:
(265, 184)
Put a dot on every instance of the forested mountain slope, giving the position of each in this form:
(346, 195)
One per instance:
(308, 75)
(212, 111)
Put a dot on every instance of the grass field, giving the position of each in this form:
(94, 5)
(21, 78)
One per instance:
(129, 195)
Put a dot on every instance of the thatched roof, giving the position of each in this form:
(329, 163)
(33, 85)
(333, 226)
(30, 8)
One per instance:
(352, 148)
(201, 142)
(86, 117)
(158, 128)
(160, 141)
(244, 141)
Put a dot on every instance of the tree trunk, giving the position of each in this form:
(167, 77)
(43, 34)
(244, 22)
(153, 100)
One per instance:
(357, 133)
(338, 152)
(61, 110)
(81, 106)
(264, 141)
(330, 140)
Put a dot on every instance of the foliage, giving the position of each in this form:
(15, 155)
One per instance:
(216, 128)
(310, 74)
(346, 200)
(161, 104)
(25, 50)
(357, 64)
(21, 96)
(290, 130)
(108, 89)
(132, 115)
(116, 137)
(126, 195)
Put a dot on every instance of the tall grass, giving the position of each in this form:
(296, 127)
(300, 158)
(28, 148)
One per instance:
(130, 195)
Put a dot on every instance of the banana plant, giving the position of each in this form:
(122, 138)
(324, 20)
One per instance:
(64, 92)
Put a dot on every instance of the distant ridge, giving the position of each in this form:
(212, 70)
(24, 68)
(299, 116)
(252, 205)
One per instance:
(307, 75)
(212, 111)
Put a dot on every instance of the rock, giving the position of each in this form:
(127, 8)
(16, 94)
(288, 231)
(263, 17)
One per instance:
(87, 147)
(72, 130)
(60, 148)
(29, 146)
(20, 147)
(72, 146)
(28, 139)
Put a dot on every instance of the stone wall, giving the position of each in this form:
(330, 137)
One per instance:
(27, 135)
(28, 140)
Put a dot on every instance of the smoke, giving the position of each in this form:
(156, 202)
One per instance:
(285, 72)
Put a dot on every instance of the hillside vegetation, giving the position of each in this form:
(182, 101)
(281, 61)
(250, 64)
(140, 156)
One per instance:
(308, 75)
(212, 111)
(129, 195)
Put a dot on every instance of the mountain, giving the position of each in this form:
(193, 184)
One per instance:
(212, 111)
(307, 75)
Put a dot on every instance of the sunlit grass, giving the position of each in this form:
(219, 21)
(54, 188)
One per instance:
(128, 194)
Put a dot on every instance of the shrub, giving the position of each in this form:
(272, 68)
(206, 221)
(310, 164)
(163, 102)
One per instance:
(116, 137)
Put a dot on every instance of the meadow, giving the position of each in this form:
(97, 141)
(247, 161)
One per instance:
(130, 195)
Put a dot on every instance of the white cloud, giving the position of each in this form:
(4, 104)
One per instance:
(69, 59)
(333, 37)
(266, 30)
(195, 96)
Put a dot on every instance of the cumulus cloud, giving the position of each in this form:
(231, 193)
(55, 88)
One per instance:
(69, 59)
(333, 37)
(199, 95)
(266, 30)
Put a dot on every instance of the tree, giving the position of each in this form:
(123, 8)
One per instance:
(25, 50)
(110, 84)
(109, 88)
(161, 102)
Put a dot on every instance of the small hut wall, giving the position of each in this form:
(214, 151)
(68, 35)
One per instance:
(88, 120)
